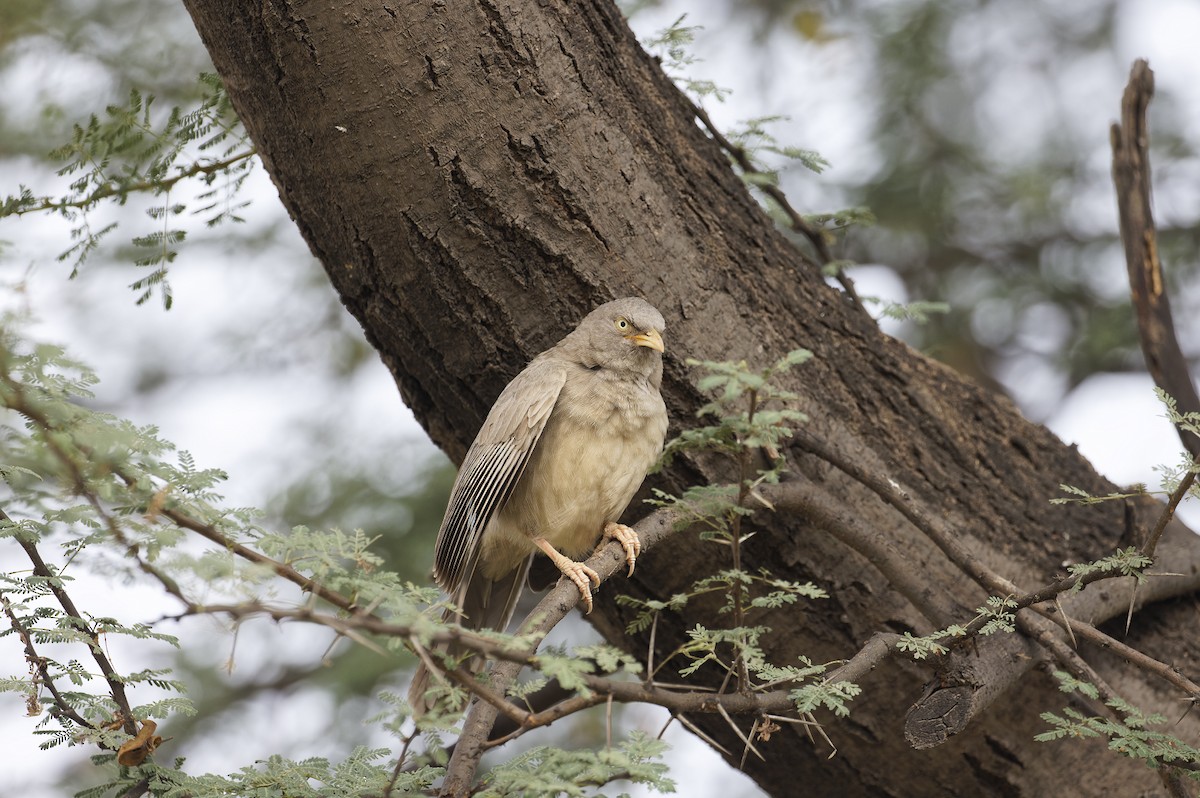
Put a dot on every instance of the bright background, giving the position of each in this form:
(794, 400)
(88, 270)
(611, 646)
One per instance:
(257, 369)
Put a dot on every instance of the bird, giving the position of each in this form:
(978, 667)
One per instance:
(557, 461)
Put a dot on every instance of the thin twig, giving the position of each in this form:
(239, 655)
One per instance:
(735, 546)
(1043, 632)
(400, 757)
(18, 402)
(798, 223)
(121, 190)
(61, 707)
(460, 772)
(115, 686)
(1130, 654)
(1084, 672)
(696, 730)
(1168, 512)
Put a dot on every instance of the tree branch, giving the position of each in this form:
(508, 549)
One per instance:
(970, 679)
(1155, 534)
(798, 223)
(968, 683)
(1144, 662)
(18, 402)
(113, 188)
(61, 706)
(460, 772)
(1131, 175)
(282, 570)
(115, 686)
(810, 501)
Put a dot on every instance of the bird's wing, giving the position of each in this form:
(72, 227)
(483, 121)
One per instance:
(492, 467)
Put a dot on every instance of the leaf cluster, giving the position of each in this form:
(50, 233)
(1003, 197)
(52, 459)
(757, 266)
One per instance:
(1124, 562)
(749, 412)
(672, 45)
(131, 150)
(554, 771)
(1130, 731)
(365, 771)
(998, 614)
(94, 493)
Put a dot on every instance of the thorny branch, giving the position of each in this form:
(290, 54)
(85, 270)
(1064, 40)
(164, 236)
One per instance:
(17, 401)
(1166, 364)
(113, 188)
(553, 607)
(939, 530)
(1155, 534)
(41, 665)
(1067, 583)
(798, 223)
(115, 686)
(1127, 652)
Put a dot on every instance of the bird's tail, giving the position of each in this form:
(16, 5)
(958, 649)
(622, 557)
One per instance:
(485, 604)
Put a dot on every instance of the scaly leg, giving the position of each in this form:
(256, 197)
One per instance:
(628, 539)
(583, 577)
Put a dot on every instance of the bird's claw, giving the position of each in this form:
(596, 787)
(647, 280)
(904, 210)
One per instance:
(584, 578)
(628, 539)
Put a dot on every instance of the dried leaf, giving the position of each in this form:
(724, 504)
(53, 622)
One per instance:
(135, 751)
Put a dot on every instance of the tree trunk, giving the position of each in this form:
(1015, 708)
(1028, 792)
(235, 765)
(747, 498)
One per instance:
(476, 174)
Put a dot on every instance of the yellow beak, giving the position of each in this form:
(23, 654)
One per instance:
(650, 339)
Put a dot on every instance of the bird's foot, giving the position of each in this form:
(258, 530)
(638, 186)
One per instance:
(628, 539)
(583, 577)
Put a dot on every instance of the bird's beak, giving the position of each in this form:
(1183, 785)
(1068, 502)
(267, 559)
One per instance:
(649, 339)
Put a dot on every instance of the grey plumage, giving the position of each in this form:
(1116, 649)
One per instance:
(558, 459)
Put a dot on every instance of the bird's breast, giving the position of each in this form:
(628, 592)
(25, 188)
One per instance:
(589, 463)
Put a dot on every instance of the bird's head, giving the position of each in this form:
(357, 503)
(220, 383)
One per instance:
(625, 334)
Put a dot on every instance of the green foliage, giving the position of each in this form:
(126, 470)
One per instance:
(753, 138)
(1170, 476)
(1000, 615)
(1130, 733)
(673, 45)
(1081, 496)
(364, 772)
(996, 615)
(746, 144)
(1124, 562)
(833, 696)
(1185, 422)
(749, 412)
(842, 219)
(569, 668)
(929, 645)
(1068, 683)
(548, 771)
(134, 150)
(90, 491)
(918, 311)
(95, 491)
(762, 421)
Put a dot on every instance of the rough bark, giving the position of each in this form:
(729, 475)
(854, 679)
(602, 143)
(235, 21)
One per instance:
(476, 174)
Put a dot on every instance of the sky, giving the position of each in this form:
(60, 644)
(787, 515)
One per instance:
(237, 397)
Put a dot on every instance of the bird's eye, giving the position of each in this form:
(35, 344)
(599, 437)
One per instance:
(622, 324)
